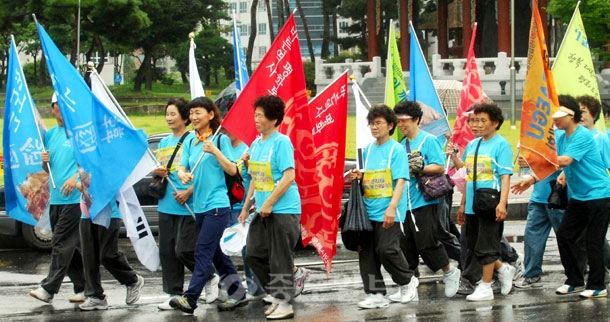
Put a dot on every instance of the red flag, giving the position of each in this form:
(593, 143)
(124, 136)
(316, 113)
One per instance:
(279, 73)
(328, 115)
(539, 103)
(471, 93)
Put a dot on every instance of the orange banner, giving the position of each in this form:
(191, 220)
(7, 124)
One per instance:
(540, 101)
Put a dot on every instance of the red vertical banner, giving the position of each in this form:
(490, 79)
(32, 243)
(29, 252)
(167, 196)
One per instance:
(328, 115)
(472, 92)
(539, 103)
(281, 73)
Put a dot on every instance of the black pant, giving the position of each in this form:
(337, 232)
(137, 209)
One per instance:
(177, 239)
(271, 242)
(483, 238)
(383, 249)
(446, 228)
(65, 253)
(592, 218)
(101, 246)
(424, 241)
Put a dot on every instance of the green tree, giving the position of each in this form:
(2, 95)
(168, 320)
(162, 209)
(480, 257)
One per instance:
(171, 22)
(595, 16)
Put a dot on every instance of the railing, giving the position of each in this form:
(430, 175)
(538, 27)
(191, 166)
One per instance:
(494, 72)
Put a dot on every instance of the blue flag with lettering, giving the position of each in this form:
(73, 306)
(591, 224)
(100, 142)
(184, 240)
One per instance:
(26, 184)
(105, 146)
(421, 89)
(241, 69)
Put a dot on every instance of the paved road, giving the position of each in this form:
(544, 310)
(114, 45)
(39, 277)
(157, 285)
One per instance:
(325, 298)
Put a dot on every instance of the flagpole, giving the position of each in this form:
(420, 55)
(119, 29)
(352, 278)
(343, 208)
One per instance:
(366, 100)
(201, 156)
(150, 153)
(34, 113)
(513, 92)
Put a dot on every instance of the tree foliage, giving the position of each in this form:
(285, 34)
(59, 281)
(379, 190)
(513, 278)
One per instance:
(595, 16)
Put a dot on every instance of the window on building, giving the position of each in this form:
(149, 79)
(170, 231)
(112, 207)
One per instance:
(262, 6)
(243, 30)
(243, 7)
(262, 50)
(262, 29)
(343, 26)
(233, 7)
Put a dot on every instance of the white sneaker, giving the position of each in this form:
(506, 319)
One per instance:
(211, 289)
(594, 293)
(569, 289)
(268, 299)
(92, 303)
(374, 301)
(41, 294)
(518, 265)
(300, 276)
(505, 275)
(481, 293)
(133, 291)
(165, 305)
(77, 298)
(283, 311)
(407, 292)
(452, 282)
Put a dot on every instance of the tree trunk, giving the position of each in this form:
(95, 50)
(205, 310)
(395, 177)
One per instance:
(280, 14)
(270, 19)
(144, 72)
(252, 37)
(443, 44)
(287, 9)
(312, 56)
(74, 51)
(325, 50)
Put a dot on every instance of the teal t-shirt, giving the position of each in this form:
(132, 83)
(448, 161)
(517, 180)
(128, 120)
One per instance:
(210, 190)
(277, 150)
(168, 203)
(587, 175)
(603, 145)
(542, 189)
(62, 164)
(393, 156)
(493, 161)
(430, 148)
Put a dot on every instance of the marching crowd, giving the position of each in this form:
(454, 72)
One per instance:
(407, 222)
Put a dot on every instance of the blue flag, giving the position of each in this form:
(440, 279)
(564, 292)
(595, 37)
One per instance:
(421, 89)
(241, 69)
(105, 146)
(26, 184)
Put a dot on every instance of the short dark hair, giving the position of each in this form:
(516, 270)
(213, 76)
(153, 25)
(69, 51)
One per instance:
(183, 108)
(492, 110)
(273, 107)
(592, 104)
(209, 106)
(571, 103)
(382, 110)
(410, 108)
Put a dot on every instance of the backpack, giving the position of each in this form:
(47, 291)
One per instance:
(235, 183)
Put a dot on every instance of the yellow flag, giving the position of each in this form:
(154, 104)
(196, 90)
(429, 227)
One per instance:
(573, 68)
(395, 89)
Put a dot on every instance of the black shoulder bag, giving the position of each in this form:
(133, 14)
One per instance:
(235, 183)
(485, 199)
(157, 187)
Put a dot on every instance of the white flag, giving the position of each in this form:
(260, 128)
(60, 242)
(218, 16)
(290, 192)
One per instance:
(194, 80)
(138, 230)
(363, 134)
